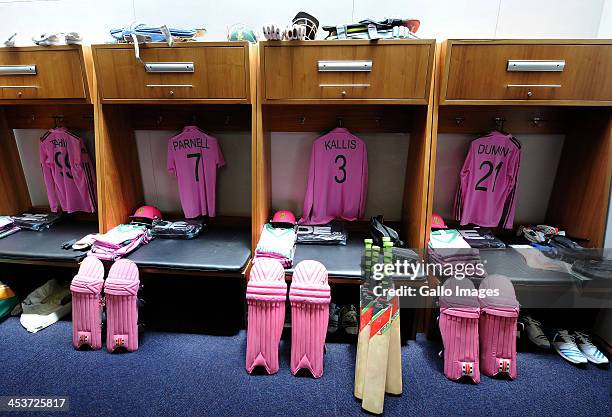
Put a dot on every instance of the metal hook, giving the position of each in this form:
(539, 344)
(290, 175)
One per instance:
(378, 121)
(194, 119)
(59, 120)
(159, 119)
(340, 121)
(499, 123)
(302, 120)
(459, 120)
(228, 119)
(537, 121)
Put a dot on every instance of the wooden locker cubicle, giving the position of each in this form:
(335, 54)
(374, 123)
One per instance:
(395, 95)
(41, 88)
(537, 87)
(216, 93)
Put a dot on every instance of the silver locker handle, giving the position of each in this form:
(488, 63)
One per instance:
(169, 67)
(535, 65)
(345, 66)
(17, 69)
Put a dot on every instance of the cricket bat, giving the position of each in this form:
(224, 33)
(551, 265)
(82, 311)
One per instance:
(366, 302)
(393, 384)
(378, 354)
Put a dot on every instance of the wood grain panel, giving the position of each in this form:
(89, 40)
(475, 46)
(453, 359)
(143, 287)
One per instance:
(220, 73)
(46, 116)
(118, 171)
(477, 71)
(60, 74)
(400, 71)
(516, 119)
(580, 196)
(356, 118)
(13, 187)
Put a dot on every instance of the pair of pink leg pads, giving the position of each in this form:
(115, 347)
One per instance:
(266, 295)
(479, 333)
(121, 293)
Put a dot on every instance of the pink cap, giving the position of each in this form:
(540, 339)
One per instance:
(147, 212)
(283, 218)
(437, 222)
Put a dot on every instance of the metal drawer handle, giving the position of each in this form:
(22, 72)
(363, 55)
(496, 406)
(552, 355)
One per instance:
(18, 86)
(343, 85)
(17, 69)
(170, 85)
(169, 67)
(533, 86)
(345, 66)
(523, 65)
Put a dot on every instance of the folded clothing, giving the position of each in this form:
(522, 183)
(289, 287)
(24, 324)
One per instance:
(481, 238)
(184, 229)
(327, 234)
(46, 305)
(447, 247)
(120, 241)
(36, 222)
(595, 269)
(7, 226)
(277, 243)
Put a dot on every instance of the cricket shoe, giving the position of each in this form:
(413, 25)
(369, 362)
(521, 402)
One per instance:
(348, 319)
(589, 350)
(534, 331)
(566, 347)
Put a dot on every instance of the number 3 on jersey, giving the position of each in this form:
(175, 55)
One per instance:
(198, 158)
(341, 176)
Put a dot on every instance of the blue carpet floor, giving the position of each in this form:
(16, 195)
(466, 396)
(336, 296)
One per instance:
(197, 375)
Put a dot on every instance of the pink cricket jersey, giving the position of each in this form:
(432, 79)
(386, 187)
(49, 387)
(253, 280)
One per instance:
(194, 156)
(69, 175)
(486, 194)
(337, 180)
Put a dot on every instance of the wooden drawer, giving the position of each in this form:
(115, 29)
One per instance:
(478, 71)
(220, 72)
(59, 73)
(400, 70)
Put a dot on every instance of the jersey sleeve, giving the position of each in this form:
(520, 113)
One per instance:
(309, 197)
(48, 177)
(364, 183)
(464, 178)
(510, 204)
(220, 160)
(89, 178)
(171, 162)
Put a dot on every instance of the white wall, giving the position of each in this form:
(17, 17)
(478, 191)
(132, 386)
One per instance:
(439, 19)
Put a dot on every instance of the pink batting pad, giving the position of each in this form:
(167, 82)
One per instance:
(310, 297)
(497, 327)
(266, 295)
(86, 288)
(121, 289)
(459, 312)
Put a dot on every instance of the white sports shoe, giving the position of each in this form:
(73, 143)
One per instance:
(534, 331)
(565, 345)
(589, 350)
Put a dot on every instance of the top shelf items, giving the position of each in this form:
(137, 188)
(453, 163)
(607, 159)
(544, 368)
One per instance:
(527, 72)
